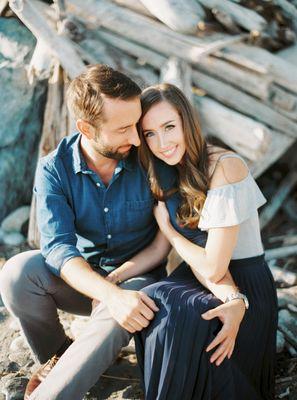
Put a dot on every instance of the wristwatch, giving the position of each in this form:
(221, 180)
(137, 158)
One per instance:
(235, 296)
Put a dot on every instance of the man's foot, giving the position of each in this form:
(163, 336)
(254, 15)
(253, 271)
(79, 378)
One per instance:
(45, 369)
(40, 375)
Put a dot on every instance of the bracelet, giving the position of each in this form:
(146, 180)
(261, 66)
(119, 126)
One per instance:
(238, 295)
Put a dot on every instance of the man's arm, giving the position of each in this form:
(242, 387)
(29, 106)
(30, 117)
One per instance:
(56, 222)
(131, 309)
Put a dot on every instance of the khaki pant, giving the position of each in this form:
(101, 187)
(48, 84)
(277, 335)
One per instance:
(33, 294)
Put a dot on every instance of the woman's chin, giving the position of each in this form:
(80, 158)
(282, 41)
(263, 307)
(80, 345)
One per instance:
(171, 160)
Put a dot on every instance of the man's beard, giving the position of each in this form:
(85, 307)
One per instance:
(115, 155)
(109, 152)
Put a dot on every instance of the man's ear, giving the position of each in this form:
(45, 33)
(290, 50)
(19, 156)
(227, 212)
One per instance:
(84, 128)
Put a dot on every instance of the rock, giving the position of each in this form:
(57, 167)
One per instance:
(7, 366)
(15, 220)
(13, 238)
(21, 115)
(18, 344)
(287, 324)
(287, 296)
(284, 278)
(14, 388)
(1, 235)
(280, 342)
(14, 325)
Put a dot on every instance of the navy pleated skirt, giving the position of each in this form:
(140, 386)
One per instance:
(171, 351)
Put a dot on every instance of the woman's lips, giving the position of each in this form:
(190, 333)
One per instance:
(169, 153)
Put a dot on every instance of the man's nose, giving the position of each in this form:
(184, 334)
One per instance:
(134, 137)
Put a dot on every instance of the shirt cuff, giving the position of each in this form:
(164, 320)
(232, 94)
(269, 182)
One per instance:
(59, 256)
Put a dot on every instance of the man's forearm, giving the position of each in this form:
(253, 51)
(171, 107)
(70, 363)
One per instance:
(78, 274)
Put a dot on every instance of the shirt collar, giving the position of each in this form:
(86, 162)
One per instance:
(80, 165)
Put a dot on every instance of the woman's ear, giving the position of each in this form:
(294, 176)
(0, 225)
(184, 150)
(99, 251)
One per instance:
(84, 128)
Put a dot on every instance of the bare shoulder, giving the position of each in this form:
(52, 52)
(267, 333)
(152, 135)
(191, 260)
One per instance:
(228, 170)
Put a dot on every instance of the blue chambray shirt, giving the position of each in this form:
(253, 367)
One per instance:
(79, 216)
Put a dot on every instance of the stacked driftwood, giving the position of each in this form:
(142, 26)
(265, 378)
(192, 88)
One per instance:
(245, 94)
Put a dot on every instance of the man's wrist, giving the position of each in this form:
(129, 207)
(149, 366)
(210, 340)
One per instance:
(110, 291)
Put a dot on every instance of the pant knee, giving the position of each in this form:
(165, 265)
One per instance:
(14, 277)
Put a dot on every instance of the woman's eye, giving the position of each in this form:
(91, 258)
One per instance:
(149, 134)
(169, 127)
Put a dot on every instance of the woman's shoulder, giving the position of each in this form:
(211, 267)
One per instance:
(225, 167)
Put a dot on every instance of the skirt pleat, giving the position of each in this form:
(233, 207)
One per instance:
(171, 350)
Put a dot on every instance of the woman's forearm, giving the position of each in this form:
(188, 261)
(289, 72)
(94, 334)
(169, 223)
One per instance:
(149, 258)
(195, 256)
(221, 289)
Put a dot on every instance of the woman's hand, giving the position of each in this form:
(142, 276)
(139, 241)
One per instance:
(162, 216)
(231, 315)
(113, 277)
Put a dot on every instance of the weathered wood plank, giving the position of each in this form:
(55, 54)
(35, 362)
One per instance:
(256, 58)
(244, 103)
(179, 73)
(153, 34)
(279, 144)
(244, 17)
(183, 17)
(246, 136)
(276, 202)
(58, 45)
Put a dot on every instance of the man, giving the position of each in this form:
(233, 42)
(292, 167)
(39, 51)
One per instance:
(94, 214)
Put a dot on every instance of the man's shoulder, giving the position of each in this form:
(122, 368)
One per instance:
(63, 151)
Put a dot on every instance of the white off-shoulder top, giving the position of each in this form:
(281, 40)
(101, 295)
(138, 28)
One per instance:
(236, 204)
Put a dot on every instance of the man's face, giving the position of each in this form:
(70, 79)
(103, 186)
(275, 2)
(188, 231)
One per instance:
(118, 131)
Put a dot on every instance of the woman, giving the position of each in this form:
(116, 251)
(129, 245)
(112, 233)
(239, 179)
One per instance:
(210, 217)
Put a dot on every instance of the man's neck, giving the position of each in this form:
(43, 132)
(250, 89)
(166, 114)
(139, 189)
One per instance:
(103, 166)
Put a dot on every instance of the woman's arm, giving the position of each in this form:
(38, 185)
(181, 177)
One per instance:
(144, 261)
(209, 264)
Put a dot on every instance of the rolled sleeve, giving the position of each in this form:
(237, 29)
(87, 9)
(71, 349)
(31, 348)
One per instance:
(55, 218)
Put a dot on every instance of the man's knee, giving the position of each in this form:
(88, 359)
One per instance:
(16, 274)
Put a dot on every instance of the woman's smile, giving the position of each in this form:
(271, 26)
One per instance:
(169, 152)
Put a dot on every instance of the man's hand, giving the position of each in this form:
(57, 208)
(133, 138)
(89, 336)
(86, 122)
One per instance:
(231, 315)
(131, 309)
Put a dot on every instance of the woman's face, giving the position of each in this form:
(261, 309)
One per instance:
(163, 132)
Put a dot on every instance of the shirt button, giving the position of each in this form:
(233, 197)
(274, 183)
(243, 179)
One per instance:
(98, 184)
(106, 209)
(108, 236)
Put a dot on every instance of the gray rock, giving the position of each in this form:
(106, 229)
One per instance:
(13, 238)
(284, 278)
(21, 115)
(18, 344)
(20, 357)
(8, 366)
(14, 325)
(15, 220)
(287, 324)
(1, 235)
(14, 388)
(280, 342)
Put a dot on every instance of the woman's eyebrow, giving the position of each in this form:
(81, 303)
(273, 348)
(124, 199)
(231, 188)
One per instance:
(161, 126)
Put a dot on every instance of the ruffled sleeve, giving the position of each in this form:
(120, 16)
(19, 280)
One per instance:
(231, 204)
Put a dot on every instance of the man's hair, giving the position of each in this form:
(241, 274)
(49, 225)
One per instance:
(84, 94)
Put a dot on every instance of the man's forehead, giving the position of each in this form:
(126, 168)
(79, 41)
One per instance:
(119, 111)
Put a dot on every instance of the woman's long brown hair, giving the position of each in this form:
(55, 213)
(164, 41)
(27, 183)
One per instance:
(193, 173)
